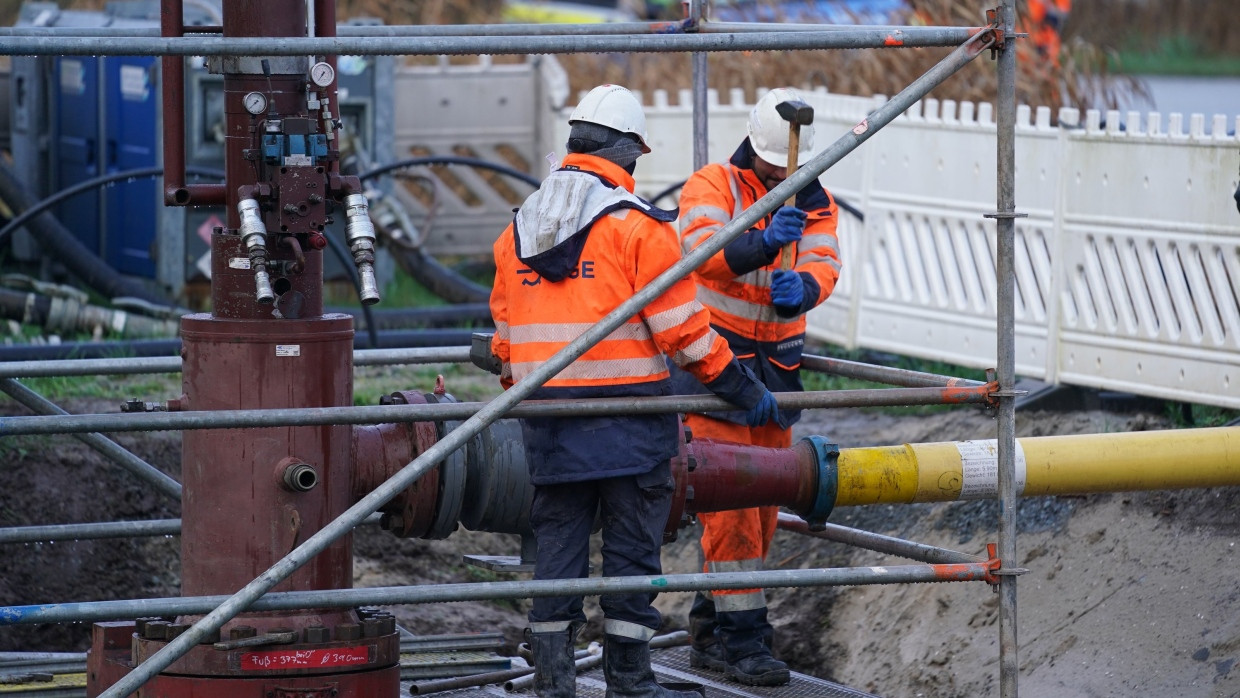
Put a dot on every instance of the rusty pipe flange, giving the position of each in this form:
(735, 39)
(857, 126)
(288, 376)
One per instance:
(411, 514)
(682, 463)
(452, 478)
(827, 455)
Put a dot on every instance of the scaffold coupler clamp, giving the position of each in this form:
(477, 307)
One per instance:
(997, 36)
(995, 568)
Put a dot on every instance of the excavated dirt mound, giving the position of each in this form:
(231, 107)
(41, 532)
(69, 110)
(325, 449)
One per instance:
(1126, 595)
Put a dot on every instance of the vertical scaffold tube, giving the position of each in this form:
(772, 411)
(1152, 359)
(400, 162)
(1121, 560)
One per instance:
(1005, 332)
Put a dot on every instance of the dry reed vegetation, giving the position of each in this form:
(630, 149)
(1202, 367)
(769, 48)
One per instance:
(1081, 80)
(1210, 24)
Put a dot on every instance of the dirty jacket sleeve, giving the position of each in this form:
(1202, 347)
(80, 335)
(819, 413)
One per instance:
(680, 324)
(708, 201)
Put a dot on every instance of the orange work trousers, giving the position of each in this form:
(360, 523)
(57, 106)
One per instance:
(740, 535)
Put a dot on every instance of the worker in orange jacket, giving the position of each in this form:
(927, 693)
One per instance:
(1046, 19)
(760, 309)
(577, 248)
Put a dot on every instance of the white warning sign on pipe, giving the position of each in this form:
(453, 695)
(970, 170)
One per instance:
(979, 464)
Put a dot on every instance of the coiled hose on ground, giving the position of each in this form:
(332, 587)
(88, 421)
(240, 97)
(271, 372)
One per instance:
(58, 242)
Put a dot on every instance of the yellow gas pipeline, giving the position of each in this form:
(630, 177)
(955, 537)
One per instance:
(1045, 465)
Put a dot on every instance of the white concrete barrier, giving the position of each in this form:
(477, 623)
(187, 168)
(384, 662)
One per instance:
(1127, 266)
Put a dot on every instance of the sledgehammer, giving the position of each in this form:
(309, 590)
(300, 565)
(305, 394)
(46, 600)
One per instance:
(797, 113)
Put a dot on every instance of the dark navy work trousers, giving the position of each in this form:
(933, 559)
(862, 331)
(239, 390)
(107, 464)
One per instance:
(634, 511)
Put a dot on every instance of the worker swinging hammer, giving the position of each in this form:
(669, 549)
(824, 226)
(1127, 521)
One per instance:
(797, 113)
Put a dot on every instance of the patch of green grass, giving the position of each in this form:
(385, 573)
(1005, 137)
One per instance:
(154, 387)
(405, 292)
(465, 382)
(1179, 55)
(1193, 416)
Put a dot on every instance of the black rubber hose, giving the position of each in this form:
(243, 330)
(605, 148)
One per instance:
(461, 314)
(395, 339)
(24, 307)
(450, 160)
(56, 240)
(439, 279)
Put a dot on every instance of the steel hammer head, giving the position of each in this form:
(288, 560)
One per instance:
(795, 111)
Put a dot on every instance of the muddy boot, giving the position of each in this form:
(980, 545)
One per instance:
(704, 650)
(626, 666)
(555, 673)
(746, 655)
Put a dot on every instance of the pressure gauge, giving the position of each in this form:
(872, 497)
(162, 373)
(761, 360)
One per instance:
(322, 74)
(255, 103)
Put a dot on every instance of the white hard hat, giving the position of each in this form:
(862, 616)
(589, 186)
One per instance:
(768, 132)
(615, 107)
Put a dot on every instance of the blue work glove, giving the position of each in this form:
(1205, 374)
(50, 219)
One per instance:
(765, 411)
(786, 226)
(787, 289)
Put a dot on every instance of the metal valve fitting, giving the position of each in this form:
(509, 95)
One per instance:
(300, 477)
(360, 232)
(254, 236)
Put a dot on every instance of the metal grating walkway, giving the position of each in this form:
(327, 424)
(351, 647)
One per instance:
(673, 665)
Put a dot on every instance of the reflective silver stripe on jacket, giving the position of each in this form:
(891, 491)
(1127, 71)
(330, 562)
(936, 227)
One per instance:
(501, 330)
(736, 191)
(673, 317)
(696, 351)
(688, 218)
(743, 309)
(603, 369)
(813, 242)
(691, 240)
(565, 332)
(623, 628)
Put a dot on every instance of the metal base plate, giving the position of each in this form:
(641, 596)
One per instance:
(672, 665)
(500, 563)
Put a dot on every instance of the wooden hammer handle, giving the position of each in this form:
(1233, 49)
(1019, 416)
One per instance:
(787, 255)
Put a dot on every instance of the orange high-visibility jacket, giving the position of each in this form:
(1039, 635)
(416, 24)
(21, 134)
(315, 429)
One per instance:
(735, 284)
(577, 248)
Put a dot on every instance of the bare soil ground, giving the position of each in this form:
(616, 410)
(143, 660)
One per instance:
(1134, 594)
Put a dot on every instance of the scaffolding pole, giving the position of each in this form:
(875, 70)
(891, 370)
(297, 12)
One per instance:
(392, 414)
(881, 374)
(498, 408)
(87, 611)
(446, 30)
(1005, 273)
(877, 542)
(701, 81)
(97, 531)
(90, 531)
(494, 45)
(114, 451)
(172, 364)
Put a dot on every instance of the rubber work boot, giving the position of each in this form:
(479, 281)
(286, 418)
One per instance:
(555, 673)
(747, 657)
(704, 650)
(626, 666)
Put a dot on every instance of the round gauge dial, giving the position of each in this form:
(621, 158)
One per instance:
(322, 74)
(255, 103)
